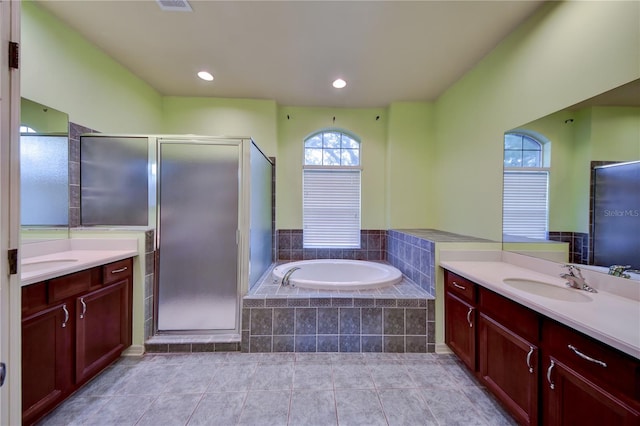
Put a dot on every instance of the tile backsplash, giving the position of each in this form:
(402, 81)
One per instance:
(289, 247)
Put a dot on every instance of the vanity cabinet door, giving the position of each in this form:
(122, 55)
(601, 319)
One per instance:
(47, 364)
(460, 329)
(508, 367)
(103, 329)
(570, 398)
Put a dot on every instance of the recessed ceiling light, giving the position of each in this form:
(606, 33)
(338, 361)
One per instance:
(339, 83)
(205, 76)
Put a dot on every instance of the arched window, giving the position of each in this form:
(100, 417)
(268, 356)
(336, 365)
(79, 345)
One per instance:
(525, 191)
(26, 129)
(522, 150)
(331, 190)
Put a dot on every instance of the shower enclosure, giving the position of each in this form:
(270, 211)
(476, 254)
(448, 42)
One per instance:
(209, 201)
(616, 215)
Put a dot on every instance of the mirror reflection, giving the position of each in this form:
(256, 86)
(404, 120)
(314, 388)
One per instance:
(44, 172)
(571, 186)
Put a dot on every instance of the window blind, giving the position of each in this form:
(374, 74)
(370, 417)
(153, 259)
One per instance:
(331, 208)
(525, 205)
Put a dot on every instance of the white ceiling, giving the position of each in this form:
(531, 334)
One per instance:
(291, 51)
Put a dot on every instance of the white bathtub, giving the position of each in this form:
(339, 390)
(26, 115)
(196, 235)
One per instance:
(335, 274)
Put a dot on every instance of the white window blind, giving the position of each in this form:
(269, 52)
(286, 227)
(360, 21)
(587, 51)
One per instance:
(331, 208)
(525, 203)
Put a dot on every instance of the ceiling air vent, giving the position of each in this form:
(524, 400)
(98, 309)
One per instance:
(175, 5)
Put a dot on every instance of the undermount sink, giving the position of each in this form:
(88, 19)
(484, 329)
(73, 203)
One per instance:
(551, 291)
(45, 264)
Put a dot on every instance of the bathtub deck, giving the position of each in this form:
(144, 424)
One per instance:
(266, 288)
(399, 318)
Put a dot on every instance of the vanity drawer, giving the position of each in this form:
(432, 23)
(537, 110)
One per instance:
(459, 286)
(520, 319)
(621, 373)
(116, 271)
(69, 285)
(34, 298)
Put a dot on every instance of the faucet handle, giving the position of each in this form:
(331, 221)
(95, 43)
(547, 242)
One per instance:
(573, 270)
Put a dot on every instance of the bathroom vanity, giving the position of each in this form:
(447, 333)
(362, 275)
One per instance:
(73, 325)
(529, 353)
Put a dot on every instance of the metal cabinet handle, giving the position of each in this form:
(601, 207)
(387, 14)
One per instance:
(551, 384)
(117, 271)
(461, 287)
(587, 357)
(529, 359)
(84, 308)
(66, 315)
(469, 317)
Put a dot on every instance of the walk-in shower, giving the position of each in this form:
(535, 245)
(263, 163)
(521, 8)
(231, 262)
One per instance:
(209, 200)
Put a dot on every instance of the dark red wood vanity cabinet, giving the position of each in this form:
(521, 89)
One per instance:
(460, 318)
(508, 353)
(541, 371)
(103, 321)
(587, 382)
(72, 327)
(47, 368)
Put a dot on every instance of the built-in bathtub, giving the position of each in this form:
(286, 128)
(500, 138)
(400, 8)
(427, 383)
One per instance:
(336, 274)
(398, 317)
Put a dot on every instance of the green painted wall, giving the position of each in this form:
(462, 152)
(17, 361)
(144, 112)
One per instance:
(223, 117)
(615, 133)
(596, 134)
(425, 165)
(62, 70)
(560, 136)
(410, 164)
(41, 118)
(560, 56)
(301, 122)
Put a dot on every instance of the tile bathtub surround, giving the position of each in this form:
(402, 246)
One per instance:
(284, 319)
(286, 389)
(414, 256)
(290, 247)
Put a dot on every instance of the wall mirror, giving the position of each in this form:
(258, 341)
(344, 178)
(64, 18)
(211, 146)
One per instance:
(556, 160)
(44, 172)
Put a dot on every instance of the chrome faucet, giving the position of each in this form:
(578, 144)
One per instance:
(621, 271)
(287, 275)
(575, 279)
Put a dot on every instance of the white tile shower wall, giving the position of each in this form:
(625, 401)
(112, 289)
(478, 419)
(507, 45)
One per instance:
(414, 256)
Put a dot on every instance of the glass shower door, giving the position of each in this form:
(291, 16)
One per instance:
(198, 225)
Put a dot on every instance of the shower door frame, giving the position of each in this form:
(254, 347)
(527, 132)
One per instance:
(242, 232)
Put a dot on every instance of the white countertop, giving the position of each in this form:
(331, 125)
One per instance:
(607, 317)
(46, 260)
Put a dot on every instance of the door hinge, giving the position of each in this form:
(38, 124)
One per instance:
(13, 261)
(14, 55)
